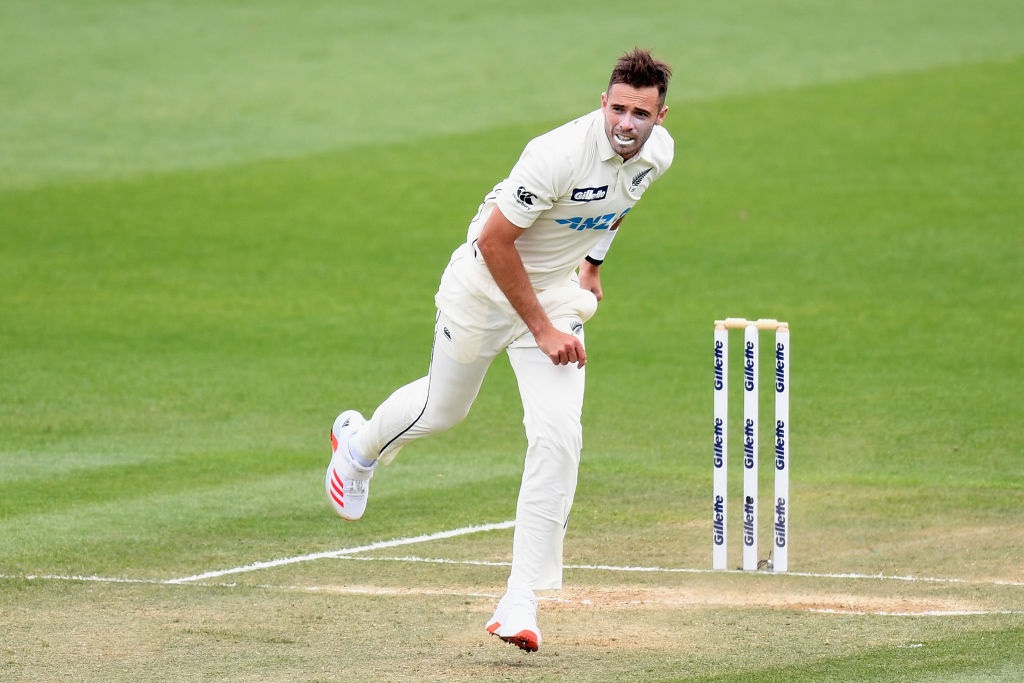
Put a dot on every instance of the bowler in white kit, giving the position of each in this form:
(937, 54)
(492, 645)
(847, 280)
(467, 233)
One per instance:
(525, 281)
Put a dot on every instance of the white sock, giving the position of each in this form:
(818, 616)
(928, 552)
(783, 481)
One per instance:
(359, 458)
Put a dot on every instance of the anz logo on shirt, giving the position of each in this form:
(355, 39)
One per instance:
(602, 222)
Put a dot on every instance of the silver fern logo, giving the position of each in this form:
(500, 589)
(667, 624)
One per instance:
(639, 178)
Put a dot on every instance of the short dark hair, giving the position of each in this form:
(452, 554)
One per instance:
(639, 69)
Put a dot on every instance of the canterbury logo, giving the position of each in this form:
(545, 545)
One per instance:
(524, 196)
(639, 178)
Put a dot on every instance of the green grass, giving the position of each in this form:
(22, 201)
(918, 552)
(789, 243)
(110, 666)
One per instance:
(111, 88)
(221, 223)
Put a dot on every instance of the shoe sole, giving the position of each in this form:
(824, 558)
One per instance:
(524, 640)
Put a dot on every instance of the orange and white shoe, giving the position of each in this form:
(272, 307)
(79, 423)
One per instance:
(348, 482)
(515, 620)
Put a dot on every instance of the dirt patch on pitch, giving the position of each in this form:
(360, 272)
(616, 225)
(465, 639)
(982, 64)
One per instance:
(844, 603)
(623, 597)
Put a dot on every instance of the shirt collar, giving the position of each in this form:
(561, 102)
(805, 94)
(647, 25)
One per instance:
(604, 147)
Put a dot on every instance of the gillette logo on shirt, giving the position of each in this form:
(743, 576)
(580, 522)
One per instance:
(589, 194)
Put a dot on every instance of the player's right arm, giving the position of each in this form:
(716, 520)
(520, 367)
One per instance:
(497, 246)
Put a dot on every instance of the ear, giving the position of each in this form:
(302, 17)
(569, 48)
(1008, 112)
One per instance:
(661, 116)
(604, 100)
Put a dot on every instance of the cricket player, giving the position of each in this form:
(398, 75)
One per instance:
(524, 282)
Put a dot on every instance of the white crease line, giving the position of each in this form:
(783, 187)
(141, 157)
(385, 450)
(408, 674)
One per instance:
(334, 554)
(686, 570)
(348, 554)
(932, 613)
(86, 579)
(435, 560)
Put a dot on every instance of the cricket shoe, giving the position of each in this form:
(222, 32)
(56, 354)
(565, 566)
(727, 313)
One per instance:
(515, 620)
(348, 482)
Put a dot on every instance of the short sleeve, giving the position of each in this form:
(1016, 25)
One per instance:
(534, 184)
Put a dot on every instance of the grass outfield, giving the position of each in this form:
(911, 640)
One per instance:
(209, 246)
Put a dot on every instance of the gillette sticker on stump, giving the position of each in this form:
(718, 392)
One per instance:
(719, 505)
(780, 527)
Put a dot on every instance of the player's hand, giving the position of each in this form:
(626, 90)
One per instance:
(562, 348)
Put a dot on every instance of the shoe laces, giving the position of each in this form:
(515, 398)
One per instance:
(357, 487)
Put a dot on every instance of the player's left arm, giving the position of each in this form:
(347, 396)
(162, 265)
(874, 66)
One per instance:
(590, 278)
(590, 268)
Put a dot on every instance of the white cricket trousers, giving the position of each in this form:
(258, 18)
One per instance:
(474, 324)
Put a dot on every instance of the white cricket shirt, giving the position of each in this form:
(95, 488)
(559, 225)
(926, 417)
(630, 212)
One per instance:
(567, 190)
